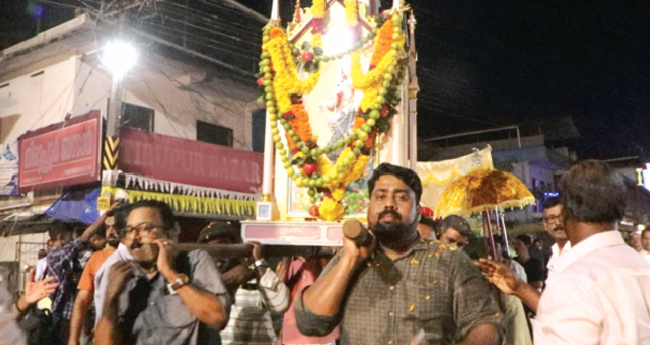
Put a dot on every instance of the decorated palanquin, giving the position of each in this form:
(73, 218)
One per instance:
(340, 89)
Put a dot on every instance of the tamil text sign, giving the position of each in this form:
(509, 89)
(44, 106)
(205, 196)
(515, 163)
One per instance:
(62, 154)
(190, 162)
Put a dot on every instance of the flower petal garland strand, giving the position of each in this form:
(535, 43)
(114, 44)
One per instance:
(279, 71)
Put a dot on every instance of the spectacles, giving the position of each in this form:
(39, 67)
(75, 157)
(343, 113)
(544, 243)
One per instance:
(552, 219)
(143, 229)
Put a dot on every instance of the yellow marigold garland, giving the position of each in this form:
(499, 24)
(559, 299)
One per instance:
(286, 83)
(331, 209)
(351, 12)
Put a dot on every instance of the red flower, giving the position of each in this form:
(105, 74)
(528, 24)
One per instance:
(307, 56)
(384, 110)
(427, 212)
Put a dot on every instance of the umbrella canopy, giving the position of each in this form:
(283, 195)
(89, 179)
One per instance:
(483, 190)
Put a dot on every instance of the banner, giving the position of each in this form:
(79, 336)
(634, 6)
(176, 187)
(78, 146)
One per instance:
(436, 176)
(62, 154)
(8, 171)
(189, 162)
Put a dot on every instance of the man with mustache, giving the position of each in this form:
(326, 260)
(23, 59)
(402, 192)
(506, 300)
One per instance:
(83, 302)
(161, 296)
(506, 279)
(400, 288)
(554, 225)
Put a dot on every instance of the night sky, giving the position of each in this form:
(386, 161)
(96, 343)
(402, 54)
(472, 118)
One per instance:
(485, 64)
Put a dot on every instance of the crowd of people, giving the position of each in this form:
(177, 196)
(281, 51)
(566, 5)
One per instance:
(416, 281)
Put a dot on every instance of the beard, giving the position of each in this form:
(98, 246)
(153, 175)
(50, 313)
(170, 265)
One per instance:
(113, 242)
(395, 234)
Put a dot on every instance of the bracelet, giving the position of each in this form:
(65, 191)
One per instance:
(261, 262)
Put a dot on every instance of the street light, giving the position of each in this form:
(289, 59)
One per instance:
(119, 57)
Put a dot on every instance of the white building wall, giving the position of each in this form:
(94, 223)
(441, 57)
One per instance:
(41, 99)
(166, 87)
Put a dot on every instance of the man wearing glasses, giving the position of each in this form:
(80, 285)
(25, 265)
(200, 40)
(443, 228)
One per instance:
(555, 227)
(160, 296)
(504, 278)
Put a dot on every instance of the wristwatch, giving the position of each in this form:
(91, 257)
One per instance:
(181, 280)
(261, 262)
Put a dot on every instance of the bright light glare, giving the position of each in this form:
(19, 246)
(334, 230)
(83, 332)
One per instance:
(338, 39)
(119, 57)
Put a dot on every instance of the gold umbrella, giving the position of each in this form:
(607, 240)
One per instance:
(483, 190)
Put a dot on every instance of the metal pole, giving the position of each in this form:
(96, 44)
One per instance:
(488, 223)
(505, 232)
(115, 106)
(117, 94)
(471, 133)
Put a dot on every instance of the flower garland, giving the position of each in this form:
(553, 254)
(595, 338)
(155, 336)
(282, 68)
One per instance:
(283, 95)
(299, 121)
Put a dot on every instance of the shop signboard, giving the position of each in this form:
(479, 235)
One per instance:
(190, 162)
(62, 154)
(8, 170)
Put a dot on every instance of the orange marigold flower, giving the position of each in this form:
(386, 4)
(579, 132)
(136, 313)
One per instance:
(383, 42)
(275, 32)
(358, 122)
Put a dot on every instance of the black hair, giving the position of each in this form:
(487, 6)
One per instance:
(166, 214)
(408, 176)
(525, 239)
(476, 248)
(60, 229)
(551, 202)
(42, 253)
(457, 223)
(100, 232)
(592, 192)
(430, 222)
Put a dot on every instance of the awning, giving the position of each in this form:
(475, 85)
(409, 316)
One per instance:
(32, 225)
(76, 206)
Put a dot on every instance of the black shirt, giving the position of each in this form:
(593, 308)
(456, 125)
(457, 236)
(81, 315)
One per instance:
(534, 269)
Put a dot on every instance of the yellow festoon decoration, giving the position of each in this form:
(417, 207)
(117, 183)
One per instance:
(194, 204)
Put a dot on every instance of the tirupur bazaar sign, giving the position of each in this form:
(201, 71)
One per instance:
(62, 154)
(190, 162)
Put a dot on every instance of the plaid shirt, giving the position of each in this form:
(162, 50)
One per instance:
(66, 264)
(432, 287)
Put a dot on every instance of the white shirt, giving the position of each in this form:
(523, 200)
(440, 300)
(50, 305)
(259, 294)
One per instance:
(520, 271)
(557, 252)
(120, 254)
(41, 266)
(250, 318)
(599, 295)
